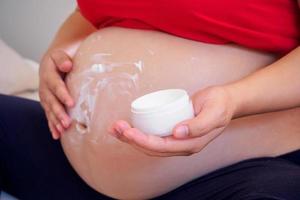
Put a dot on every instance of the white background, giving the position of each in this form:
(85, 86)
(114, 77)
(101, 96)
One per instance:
(29, 25)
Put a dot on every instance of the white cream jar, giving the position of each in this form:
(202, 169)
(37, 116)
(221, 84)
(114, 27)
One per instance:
(157, 113)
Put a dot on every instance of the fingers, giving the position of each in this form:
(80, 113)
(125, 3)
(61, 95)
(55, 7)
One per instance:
(60, 113)
(214, 108)
(117, 128)
(157, 146)
(54, 132)
(59, 89)
(157, 154)
(62, 61)
(54, 107)
(203, 124)
(196, 127)
(54, 129)
(137, 144)
(53, 93)
(55, 83)
(167, 146)
(123, 131)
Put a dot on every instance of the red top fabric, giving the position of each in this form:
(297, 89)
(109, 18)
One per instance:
(271, 26)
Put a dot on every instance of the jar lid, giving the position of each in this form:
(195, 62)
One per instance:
(159, 101)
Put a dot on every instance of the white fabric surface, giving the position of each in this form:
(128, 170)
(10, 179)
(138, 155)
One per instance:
(18, 76)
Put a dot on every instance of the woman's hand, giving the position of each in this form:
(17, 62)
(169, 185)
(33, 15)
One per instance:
(53, 91)
(214, 108)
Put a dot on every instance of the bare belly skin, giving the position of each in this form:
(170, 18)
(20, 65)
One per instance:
(115, 65)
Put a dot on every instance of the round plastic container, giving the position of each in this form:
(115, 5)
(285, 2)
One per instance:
(157, 113)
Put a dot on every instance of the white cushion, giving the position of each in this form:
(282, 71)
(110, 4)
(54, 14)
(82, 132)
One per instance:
(16, 74)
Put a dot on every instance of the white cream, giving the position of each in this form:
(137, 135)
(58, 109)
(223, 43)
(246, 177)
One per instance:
(103, 78)
(139, 65)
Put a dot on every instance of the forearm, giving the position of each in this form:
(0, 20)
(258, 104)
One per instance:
(71, 33)
(272, 88)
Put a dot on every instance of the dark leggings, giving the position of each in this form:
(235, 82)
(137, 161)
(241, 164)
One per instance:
(33, 166)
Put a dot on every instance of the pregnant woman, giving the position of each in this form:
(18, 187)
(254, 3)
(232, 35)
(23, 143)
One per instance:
(238, 61)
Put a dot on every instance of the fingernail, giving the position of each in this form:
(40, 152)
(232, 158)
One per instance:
(55, 137)
(181, 131)
(66, 122)
(70, 103)
(67, 62)
(119, 129)
(59, 128)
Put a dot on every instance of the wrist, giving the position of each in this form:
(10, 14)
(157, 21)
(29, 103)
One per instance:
(236, 97)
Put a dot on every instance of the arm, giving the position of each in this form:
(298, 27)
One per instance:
(71, 33)
(57, 61)
(272, 88)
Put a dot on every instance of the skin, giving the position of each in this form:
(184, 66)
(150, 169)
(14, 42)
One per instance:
(115, 168)
(215, 107)
(214, 99)
(221, 104)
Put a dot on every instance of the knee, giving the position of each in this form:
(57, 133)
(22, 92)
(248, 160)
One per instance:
(272, 180)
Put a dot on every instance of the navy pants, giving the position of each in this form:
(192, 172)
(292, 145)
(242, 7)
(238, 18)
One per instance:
(33, 166)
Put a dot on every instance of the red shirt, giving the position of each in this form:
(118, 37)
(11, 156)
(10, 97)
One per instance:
(265, 25)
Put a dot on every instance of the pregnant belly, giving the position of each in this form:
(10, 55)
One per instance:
(115, 65)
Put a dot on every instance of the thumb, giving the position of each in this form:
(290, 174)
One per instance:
(62, 61)
(195, 127)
